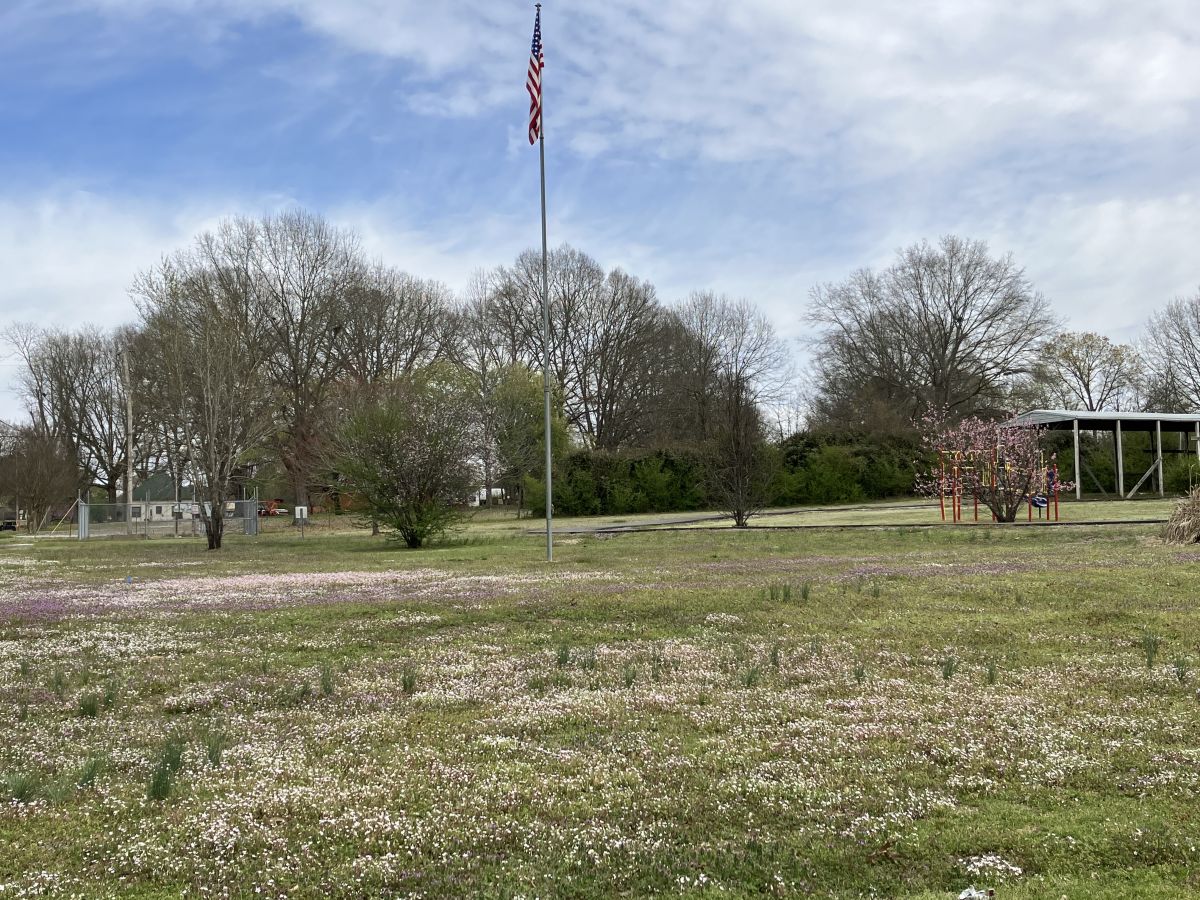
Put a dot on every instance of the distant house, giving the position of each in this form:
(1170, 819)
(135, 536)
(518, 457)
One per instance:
(479, 498)
(154, 499)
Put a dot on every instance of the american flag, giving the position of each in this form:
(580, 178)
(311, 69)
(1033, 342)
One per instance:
(533, 79)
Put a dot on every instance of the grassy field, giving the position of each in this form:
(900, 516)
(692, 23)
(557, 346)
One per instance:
(893, 713)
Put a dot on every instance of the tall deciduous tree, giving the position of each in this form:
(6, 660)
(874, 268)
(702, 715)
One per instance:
(605, 340)
(943, 328)
(74, 387)
(392, 325)
(37, 471)
(1083, 370)
(1173, 355)
(203, 337)
(303, 270)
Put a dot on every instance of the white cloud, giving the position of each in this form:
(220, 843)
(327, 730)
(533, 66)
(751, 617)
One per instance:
(934, 82)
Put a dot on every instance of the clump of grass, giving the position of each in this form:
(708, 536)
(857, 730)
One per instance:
(58, 683)
(587, 661)
(327, 685)
(110, 695)
(91, 768)
(629, 674)
(860, 672)
(1151, 643)
(408, 682)
(876, 590)
(304, 692)
(949, 666)
(22, 786)
(23, 711)
(658, 666)
(161, 782)
(89, 705)
(563, 656)
(815, 647)
(24, 667)
(805, 591)
(59, 791)
(1182, 667)
(162, 779)
(776, 657)
(750, 677)
(780, 592)
(1184, 525)
(992, 671)
(538, 684)
(215, 743)
(172, 753)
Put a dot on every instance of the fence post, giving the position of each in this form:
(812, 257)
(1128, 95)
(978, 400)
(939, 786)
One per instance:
(83, 513)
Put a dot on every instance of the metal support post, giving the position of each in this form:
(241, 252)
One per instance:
(1078, 473)
(1120, 462)
(1158, 451)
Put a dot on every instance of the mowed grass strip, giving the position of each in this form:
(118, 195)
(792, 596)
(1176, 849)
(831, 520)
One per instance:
(781, 713)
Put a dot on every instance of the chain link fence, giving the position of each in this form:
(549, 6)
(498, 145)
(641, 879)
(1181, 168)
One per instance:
(159, 519)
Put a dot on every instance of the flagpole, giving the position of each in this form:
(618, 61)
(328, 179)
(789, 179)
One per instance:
(546, 326)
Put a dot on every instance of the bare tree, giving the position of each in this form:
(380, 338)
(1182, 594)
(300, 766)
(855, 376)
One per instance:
(476, 350)
(1084, 370)
(606, 331)
(74, 388)
(741, 463)
(203, 326)
(943, 328)
(37, 471)
(302, 270)
(612, 362)
(1173, 354)
(393, 324)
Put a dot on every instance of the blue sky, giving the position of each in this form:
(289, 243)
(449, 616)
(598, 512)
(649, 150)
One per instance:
(755, 148)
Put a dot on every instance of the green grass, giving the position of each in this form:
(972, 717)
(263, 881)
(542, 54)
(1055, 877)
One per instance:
(920, 710)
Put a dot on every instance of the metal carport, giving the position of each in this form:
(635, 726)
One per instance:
(1118, 423)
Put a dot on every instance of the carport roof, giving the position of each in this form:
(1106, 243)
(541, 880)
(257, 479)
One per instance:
(1106, 420)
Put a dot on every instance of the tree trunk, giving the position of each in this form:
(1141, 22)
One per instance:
(214, 528)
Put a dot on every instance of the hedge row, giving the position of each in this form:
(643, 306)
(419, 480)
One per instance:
(812, 470)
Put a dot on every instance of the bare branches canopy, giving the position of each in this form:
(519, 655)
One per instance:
(946, 327)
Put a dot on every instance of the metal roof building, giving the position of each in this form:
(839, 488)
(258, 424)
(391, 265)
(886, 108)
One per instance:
(1118, 423)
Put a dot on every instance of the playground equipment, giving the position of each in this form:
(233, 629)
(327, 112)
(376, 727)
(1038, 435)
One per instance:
(967, 475)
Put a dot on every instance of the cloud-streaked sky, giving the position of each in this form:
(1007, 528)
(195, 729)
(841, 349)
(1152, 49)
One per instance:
(756, 148)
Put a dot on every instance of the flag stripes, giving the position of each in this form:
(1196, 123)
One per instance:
(533, 79)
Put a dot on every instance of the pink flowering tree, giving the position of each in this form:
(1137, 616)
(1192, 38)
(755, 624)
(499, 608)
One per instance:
(1002, 465)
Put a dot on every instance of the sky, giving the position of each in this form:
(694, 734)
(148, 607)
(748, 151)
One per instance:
(755, 148)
